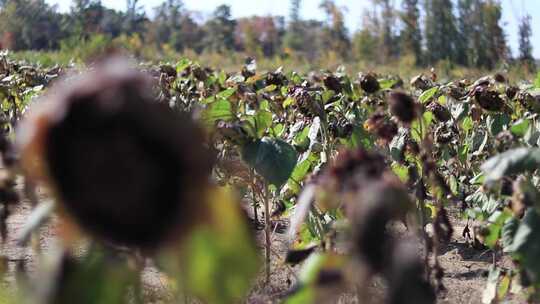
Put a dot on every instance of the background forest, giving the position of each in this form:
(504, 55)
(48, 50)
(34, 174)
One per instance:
(415, 33)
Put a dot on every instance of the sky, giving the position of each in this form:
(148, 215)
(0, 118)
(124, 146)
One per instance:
(512, 10)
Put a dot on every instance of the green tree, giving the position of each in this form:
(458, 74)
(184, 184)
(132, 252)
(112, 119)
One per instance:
(466, 26)
(440, 31)
(366, 40)
(525, 45)
(190, 35)
(389, 47)
(294, 38)
(29, 24)
(334, 35)
(135, 17)
(219, 30)
(167, 22)
(86, 17)
(411, 34)
(259, 35)
(494, 37)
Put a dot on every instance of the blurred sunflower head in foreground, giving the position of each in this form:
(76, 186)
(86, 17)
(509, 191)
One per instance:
(126, 168)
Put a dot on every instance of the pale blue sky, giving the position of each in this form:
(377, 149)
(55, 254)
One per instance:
(512, 9)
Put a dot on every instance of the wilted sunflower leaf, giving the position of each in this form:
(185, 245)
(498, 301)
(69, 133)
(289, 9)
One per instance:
(272, 158)
(511, 162)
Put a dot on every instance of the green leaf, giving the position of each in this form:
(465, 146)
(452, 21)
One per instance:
(289, 101)
(226, 93)
(467, 124)
(272, 158)
(511, 162)
(520, 127)
(96, 278)
(326, 95)
(361, 138)
(442, 99)
(260, 122)
(504, 286)
(508, 233)
(427, 95)
(463, 153)
(182, 64)
(537, 81)
(497, 123)
(387, 83)
(301, 139)
(398, 145)
(478, 179)
(459, 110)
(218, 110)
(278, 130)
(300, 172)
(220, 256)
(401, 171)
(526, 244)
(270, 88)
(306, 295)
(419, 130)
(495, 227)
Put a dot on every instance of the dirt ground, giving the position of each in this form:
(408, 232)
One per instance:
(466, 268)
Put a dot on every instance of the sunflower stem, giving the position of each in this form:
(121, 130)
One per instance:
(267, 231)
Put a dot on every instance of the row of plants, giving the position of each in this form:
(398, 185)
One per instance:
(179, 164)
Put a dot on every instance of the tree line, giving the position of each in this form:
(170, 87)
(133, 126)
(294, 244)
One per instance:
(465, 32)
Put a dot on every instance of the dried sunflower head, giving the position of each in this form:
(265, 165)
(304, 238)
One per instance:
(377, 204)
(402, 106)
(351, 169)
(126, 168)
(421, 82)
(499, 77)
(511, 92)
(332, 83)
(381, 126)
(487, 99)
(440, 112)
(369, 83)
(306, 103)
